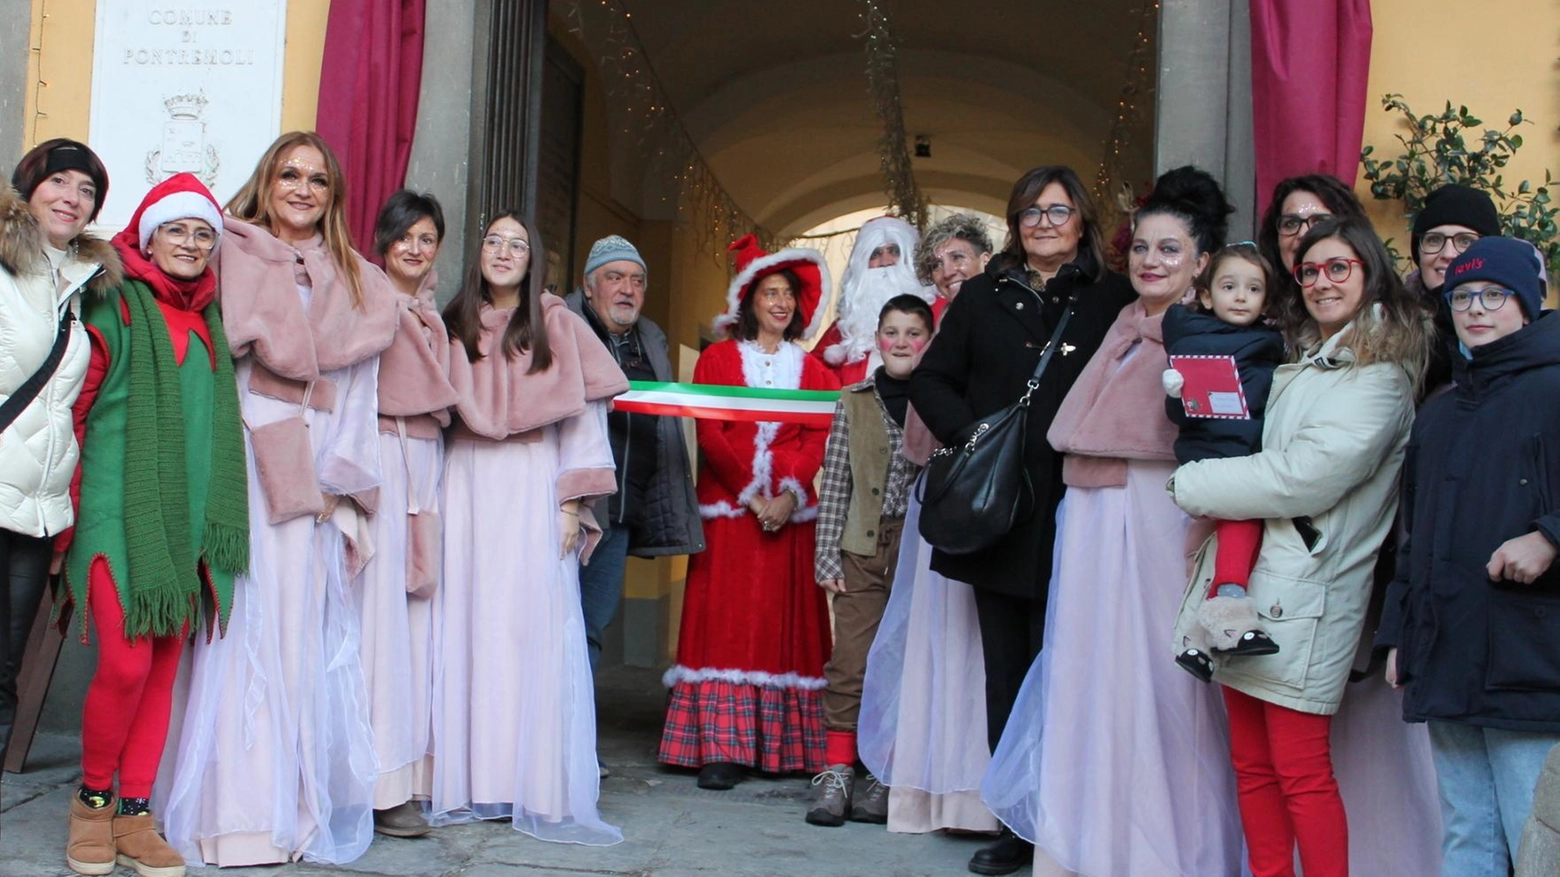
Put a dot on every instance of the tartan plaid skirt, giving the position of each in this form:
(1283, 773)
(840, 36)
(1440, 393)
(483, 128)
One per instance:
(775, 730)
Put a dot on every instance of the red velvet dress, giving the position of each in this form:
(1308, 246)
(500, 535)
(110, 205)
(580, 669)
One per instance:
(755, 624)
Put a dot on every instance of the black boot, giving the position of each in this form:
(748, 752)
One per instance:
(1252, 644)
(1004, 856)
(1197, 663)
(720, 775)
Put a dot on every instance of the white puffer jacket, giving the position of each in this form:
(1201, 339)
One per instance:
(38, 451)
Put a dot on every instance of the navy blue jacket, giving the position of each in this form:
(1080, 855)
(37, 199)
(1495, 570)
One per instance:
(1258, 350)
(1482, 467)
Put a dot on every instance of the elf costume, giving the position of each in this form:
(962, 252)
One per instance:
(755, 626)
(162, 523)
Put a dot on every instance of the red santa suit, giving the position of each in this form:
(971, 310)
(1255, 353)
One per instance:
(849, 346)
(755, 628)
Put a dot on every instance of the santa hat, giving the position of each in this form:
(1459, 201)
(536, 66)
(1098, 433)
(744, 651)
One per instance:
(181, 196)
(752, 264)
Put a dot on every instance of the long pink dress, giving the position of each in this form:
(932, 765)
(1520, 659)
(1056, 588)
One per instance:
(397, 651)
(272, 758)
(514, 733)
(923, 703)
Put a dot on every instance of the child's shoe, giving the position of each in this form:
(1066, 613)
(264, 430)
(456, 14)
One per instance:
(1197, 663)
(141, 848)
(1234, 628)
(831, 795)
(872, 805)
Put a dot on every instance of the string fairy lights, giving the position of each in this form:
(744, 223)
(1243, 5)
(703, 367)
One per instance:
(1112, 193)
(904, 195)
(648, 118)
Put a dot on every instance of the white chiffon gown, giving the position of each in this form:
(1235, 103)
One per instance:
(514, 733)
(922, 729)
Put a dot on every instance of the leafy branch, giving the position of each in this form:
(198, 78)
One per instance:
(1447, 147)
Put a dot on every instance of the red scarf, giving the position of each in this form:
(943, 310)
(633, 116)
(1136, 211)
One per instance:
(186, 295)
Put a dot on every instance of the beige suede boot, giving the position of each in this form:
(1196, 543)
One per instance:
(140, 847)
(90, 849)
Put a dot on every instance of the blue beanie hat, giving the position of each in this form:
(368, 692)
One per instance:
(612, 248)
(1510, 262)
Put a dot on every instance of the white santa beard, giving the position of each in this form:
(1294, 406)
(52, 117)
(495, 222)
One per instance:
(863, 302)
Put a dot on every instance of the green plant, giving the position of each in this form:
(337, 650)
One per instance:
(1447, 148)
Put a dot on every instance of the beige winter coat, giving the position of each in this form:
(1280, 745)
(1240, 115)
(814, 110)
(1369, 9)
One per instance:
(38, 451)
(1332, 445)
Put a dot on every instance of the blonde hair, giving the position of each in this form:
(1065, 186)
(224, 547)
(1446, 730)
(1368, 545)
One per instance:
(253, 204)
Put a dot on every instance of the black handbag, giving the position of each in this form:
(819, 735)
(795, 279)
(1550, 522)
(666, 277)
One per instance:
(972, 494)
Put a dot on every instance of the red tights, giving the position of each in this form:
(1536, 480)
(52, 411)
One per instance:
(125, 721)
(1236, 554)
(1288, 795)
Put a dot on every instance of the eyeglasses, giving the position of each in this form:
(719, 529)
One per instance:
(180, 236)
(1291, 224)
(1433, 242)
(1491, 298)
(1058, 214)
(1338, 270)
(493, 243)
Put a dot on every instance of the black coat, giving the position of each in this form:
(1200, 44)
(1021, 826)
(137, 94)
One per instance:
(986, 348)
(1258, 350)
(1482, 467)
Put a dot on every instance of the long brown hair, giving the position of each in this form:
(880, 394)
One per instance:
(527, 330)
(253, 204)
(1026, 191)
(1392, 325)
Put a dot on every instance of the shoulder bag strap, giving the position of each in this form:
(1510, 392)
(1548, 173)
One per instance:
(29, 390)
(1050, 349)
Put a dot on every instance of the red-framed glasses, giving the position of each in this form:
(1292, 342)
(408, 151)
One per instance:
(1338, 270)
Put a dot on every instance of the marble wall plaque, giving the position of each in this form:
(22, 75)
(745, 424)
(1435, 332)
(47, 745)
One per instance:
(184, 86)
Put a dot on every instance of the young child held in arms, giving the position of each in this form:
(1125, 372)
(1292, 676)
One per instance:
(1229, 322)
(861, 510)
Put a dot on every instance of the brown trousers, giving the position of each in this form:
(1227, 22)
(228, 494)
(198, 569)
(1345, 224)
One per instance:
(857, 613)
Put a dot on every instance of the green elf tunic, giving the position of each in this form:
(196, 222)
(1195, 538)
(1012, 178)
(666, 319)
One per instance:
(163, 479)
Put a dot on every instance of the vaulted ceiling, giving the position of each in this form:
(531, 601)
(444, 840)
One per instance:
(775, 95)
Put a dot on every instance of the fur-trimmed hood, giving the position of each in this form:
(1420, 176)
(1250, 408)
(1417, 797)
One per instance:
(22, 242)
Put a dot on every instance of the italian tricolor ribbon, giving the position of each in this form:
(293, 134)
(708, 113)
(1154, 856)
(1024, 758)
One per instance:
(722, 402)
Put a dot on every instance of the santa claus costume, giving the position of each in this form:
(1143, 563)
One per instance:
(847, 347)
(745, 690)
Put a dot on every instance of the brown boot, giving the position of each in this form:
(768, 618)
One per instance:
(139, 846)
(90, 849)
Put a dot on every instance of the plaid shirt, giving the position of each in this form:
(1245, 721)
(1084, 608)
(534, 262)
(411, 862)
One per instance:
(835, 492)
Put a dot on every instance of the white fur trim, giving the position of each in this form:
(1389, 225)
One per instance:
(804, 514)
(761, 265)
(179, 205)
(834, 354)
(721, 509)
(679, 673)
(782, 372)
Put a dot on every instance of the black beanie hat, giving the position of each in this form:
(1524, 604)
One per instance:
(1456, 204)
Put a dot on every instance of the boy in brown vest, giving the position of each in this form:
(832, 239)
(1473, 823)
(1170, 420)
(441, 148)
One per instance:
(861, 510)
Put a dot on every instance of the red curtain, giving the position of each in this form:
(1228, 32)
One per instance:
(369, 81)
(1309, 65)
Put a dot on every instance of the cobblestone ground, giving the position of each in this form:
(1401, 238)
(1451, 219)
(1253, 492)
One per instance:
(672, 828)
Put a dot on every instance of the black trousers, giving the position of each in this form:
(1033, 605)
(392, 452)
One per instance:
(1011, 633)
(24, 573)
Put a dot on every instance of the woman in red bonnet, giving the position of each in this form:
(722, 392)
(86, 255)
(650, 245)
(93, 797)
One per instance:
(747, 684)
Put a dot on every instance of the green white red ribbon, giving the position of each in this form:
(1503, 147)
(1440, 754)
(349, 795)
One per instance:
(722, 402)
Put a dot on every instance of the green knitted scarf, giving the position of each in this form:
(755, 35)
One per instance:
(167, 583)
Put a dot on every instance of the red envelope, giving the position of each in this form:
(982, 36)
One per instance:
(1212, 387)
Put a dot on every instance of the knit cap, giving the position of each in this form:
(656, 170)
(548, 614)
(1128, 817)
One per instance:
(612, 248)
(181, 196)
(1510, 262)
(1456, 204)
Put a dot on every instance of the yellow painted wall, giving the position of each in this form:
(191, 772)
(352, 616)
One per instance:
(60, 104)
(1494, 57)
